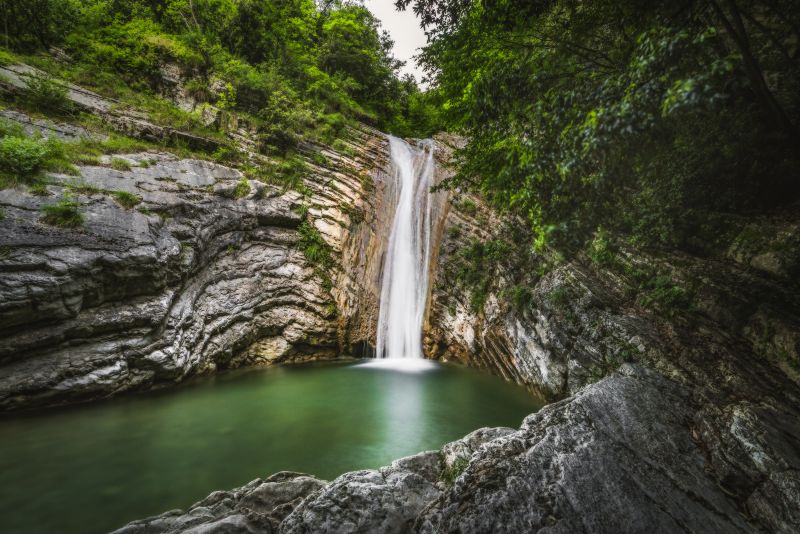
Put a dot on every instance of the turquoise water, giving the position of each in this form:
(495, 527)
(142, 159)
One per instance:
(93, 468)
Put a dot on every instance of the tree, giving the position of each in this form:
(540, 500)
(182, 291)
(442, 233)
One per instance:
(634, 115)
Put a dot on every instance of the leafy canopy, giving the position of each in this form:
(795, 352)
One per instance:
(639, 116)
(306, 58)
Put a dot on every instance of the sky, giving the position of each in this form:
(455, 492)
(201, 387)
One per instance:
(405, 30)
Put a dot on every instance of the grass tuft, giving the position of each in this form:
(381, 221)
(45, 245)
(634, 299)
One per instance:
(64, 214)
(126, 200)
(119, 164)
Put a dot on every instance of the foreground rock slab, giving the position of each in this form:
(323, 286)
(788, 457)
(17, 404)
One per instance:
(621, 455)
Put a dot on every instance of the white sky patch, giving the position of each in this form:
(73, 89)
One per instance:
(405, 30)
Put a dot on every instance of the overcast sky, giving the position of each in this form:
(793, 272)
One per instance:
(405, 30)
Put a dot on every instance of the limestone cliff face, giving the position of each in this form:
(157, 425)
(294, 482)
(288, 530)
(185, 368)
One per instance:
(724, 323)
(199, 276)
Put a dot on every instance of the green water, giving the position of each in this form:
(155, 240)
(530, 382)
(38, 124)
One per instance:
(93, 468)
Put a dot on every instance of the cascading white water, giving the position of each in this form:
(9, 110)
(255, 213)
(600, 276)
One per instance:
(405, 270)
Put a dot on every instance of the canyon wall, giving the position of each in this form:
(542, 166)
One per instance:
(207, 272)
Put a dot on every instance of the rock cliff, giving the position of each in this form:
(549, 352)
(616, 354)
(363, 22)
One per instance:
(207, 272)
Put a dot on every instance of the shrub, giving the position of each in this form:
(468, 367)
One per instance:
(661, 293)
(22, 156)
(125, 199)
(46, 94)
(467, 206)
(64, 214)
(600, 250)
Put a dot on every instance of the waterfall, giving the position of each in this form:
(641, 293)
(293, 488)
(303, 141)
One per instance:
(404, 290)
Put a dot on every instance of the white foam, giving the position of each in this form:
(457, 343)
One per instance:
(401, 365)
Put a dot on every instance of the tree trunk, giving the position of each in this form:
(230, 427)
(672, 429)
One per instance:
(735, 28)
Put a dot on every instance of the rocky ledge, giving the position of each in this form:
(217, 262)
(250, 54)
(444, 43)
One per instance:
(183, 266)
(630, 453)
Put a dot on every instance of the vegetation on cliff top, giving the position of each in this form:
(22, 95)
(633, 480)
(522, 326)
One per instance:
(297, 65)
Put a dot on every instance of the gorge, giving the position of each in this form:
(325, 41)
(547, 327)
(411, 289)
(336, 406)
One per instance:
(250, 283)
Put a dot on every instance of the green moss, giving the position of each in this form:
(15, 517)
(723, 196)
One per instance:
(341, 146)
(330, 310)
(558, 297)
(7, 58)
(125, 199)
(64, 214)
(146, 163)
(317, 252)
(367, 184)
(355, 214)
(451, 472)
(319, 159)
(241, 190)
(664, 295)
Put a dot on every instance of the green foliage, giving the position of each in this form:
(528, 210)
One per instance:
(227, 98)
(83, 187)
(120, 164)
(33, 24)
(45, 94)
(663, 294)
(638, 117)
(451, 472)
(294, 65)
(39, 189)
(22, 156)
(317, 252)
(467, 206)
(558, 297)
(284, 120)
(64, 214)
(242, 189)
(600, 248)
(126, 200)
(475, 266)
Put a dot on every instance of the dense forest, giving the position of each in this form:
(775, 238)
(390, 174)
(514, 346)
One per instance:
(649, 119)
(298, 67)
